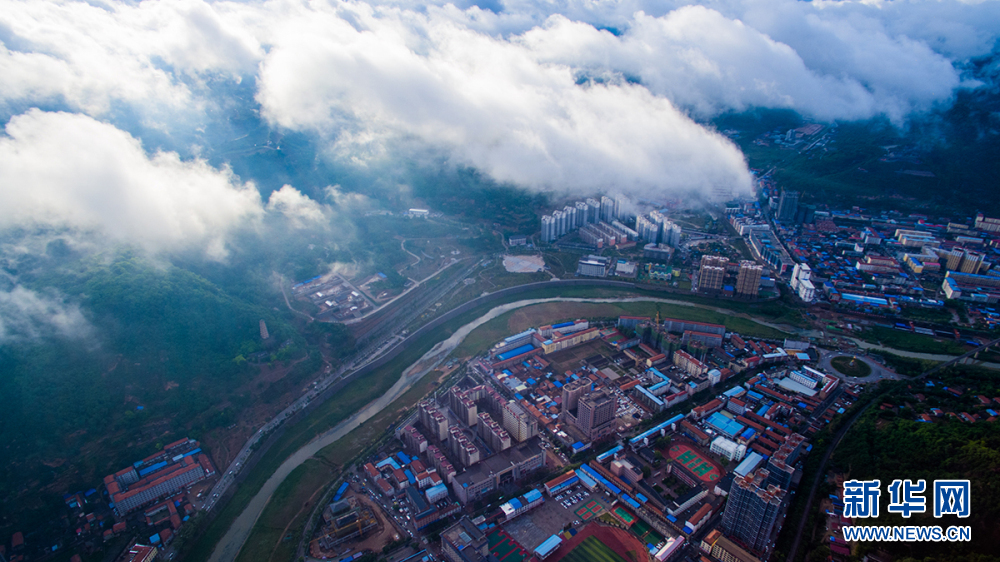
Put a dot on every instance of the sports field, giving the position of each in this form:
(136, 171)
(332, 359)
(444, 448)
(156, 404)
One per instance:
(627, 518)
(592, 550)
(504, 547)
(586, 512)
(646, 533)
(696, 462)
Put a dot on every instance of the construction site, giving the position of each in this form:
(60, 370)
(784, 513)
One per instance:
(351, 526)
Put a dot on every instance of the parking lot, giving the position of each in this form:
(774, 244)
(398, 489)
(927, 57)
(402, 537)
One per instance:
(532, 528)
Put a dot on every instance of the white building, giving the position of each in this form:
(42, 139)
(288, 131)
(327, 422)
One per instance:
(729, 449)
(801, 282)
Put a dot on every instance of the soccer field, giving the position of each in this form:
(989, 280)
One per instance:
(592, 550)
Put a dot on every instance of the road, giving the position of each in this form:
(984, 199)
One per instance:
(229, 547)
(820, 473)
(878, 371)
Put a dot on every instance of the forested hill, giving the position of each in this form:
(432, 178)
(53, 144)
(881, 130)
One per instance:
(164, 357)
(888, 444)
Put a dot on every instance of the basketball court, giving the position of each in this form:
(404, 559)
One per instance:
(589, 511)
(504, 547)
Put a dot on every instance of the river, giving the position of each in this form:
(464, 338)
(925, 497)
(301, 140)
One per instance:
(231, 543)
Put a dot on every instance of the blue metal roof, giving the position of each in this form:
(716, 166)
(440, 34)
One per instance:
(609, 453)
(548, 546)
(515, 352)
(587, 480)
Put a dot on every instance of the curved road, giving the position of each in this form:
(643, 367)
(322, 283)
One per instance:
(231, 543)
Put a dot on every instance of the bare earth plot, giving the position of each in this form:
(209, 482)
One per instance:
(523, 264)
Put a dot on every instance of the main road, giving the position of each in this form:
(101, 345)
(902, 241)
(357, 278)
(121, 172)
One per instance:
(231, 543)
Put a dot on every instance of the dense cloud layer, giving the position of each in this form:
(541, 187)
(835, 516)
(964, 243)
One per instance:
(488, 102)
(572, 95)
(62, 169)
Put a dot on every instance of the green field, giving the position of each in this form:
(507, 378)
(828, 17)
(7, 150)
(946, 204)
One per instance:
(646, 533)
(909, 341)
(362, 391)
(547, 313)
(592, 550)
(851, 367)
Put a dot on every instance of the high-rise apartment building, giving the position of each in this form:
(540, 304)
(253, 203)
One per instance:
(752, 510)
(593, 211)
(572, 392)
(582, 214)
(670, 233)
(518, 423)
(433, 420)
(608, 210)
(971, 262)
(788, 205)
(648, 229)
(596, 414)
(570, 213)
(560, 218)
(712, 273)
(548, 229)
(952, 258)
(495, 436)
(748, 280)
(463, 406)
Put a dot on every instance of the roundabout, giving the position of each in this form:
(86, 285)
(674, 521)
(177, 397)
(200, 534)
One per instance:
(850, 366)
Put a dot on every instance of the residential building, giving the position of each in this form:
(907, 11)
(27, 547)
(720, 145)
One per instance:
(571, 393)
(548, 229)
(493, 434)
(596, 414)
(712, 273)
(748, 279)
(433, 420)
(986, 223)
(518, 423)
(752, 510)
(462, 406)
(582, 216)
(462, 447)
(788, 206)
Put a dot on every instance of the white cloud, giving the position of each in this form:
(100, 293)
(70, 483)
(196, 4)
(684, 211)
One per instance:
(298, 208)
(497, 90)
(488, 102)
(149, 55)
(709, 63)
(64, 169)
(26, 314)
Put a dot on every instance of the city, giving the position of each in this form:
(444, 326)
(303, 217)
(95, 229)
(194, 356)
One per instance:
(681, 438)
(365, 281)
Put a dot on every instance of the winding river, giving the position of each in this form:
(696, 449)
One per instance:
(231, 543)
